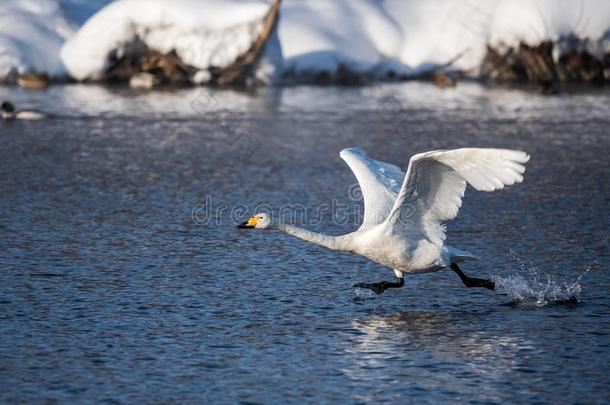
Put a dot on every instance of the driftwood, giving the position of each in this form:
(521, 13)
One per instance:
(240, 71)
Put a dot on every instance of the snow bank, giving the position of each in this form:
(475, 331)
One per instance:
(376, 37)
(31, 35)
(532, 22)
(204, 34)
(411, 36)
(318, 35)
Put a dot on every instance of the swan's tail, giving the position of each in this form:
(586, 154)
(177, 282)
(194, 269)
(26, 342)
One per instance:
(458, 255)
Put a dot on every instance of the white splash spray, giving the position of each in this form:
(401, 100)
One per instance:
(538, 288)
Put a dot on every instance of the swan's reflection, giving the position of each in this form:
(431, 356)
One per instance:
(432, 349)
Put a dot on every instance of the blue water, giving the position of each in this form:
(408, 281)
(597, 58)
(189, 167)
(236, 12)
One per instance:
(123, 279)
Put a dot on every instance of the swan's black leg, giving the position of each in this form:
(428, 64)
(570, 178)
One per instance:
(471, 281)
(380, 287)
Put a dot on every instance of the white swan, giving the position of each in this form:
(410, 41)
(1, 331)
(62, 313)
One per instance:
(403, 214)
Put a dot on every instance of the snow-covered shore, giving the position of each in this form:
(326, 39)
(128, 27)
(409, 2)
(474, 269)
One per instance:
(203, 34)
(379, 38)
(31, 36)
(413, 36)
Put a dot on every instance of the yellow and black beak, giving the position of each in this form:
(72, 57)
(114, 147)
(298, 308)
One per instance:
(250, 223)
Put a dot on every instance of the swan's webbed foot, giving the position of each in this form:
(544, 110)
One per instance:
(380, 287)
(471, 281)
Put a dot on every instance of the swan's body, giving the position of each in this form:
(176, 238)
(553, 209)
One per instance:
(403, 213)
(380, 244)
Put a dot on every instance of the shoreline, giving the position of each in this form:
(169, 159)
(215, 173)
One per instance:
(563, 88)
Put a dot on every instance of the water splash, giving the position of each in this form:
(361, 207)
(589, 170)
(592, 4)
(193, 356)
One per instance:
(363, 294)
(539, 288)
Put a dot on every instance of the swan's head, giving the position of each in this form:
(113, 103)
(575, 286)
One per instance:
(8, 109)
(258, 221)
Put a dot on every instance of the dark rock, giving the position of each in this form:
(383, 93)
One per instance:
(136, 58)
(536, 64)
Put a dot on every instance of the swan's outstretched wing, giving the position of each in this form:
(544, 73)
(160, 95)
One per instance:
(379, 181)
(435, 183)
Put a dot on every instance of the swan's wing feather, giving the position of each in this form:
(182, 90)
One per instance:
(379, 182)
(436, 181)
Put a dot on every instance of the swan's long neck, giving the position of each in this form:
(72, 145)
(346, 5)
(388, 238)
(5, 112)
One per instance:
(331, 242)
